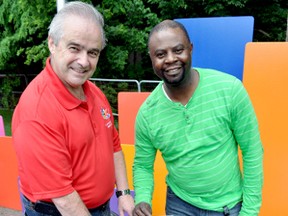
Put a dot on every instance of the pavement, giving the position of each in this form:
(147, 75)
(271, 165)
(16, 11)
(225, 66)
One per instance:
(9, 212)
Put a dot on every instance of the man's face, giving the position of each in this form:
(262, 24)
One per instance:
(170, 53)
(75, 57)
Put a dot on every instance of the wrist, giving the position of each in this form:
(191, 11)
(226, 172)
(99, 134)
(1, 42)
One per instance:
(122, 192)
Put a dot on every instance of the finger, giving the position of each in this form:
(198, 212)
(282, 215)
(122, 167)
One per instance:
(138, 212)
(121, 213)
(145, 210)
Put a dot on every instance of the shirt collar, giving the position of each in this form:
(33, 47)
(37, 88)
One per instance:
(65, 98)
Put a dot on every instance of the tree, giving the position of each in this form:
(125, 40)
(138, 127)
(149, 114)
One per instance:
(127, 27)
(24, 23)
(23, 36)
(24, 26)
(22, 42)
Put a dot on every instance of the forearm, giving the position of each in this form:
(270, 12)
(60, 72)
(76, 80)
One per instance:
(125, 202)
(71, 205)
(120, 171)
(252, 155)
(253, 182)
(247, 135)
(143, 185)
(143, 166)
(143, 177)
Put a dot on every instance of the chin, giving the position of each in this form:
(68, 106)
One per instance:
(174, 82)
(76, 84)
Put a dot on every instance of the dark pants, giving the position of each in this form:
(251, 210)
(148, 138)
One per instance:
(47, 209)
(177, 207)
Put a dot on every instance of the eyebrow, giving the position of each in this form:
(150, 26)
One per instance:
(78, 45)
(73, 43)
(174, 47)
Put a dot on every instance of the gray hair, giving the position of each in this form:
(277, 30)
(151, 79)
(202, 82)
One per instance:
(80, 9)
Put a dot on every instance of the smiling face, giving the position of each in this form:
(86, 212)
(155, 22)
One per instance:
(170, 53)
(75, 57)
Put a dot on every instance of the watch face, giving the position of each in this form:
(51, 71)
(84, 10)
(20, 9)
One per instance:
(122, 192)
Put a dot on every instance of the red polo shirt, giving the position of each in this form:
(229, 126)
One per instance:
(64, 144)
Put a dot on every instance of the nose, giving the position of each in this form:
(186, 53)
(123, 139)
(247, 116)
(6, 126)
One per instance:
(170, 57)
(83, 59)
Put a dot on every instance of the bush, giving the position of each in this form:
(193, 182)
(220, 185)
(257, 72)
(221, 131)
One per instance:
(8, 99)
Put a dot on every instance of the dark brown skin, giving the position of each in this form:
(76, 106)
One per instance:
(170, 52)
(142, 209)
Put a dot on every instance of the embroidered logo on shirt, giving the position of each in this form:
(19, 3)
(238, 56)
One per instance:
(105, 114)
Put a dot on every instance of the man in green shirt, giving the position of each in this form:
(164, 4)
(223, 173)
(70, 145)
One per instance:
(196, 118)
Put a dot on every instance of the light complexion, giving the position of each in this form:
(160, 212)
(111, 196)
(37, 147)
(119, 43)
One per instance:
(75, 57)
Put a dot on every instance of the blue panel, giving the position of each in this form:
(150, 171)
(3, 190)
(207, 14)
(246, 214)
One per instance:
(219, 42)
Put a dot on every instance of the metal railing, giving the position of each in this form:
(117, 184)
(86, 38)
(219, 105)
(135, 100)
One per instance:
(102, 83)
(118, 80)
(139, 84)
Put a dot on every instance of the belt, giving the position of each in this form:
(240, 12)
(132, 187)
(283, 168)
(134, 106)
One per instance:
(50, 208)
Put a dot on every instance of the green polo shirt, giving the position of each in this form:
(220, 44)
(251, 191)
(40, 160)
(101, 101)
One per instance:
(199, 144)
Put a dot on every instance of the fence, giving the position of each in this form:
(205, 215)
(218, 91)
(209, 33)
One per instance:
(150, 84)
(111, 87)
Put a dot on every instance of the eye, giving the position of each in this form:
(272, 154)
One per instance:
(73, 49)
(160, 55)
(179, 51)
(93, 54)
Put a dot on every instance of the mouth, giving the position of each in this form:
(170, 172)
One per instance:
(79, 71)
(173, 71)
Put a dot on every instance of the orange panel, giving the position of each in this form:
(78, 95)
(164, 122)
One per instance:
(129, 152)
(266, 77)
(159, 196)
(128, 105)
(160, 172)
(9, 195)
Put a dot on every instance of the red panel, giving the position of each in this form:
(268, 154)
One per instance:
(9, 195)
(128, 105)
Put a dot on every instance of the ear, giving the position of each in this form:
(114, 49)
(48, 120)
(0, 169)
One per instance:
(191, 47)
(51, 45)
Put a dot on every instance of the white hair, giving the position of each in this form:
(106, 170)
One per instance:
(80, 9)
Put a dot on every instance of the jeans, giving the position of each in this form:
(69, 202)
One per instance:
(30, 211)
(177, 207)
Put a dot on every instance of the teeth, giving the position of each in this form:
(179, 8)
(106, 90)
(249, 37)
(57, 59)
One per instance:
(173, 71)
(80, 71)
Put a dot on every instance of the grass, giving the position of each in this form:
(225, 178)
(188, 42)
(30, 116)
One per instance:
(7, 117)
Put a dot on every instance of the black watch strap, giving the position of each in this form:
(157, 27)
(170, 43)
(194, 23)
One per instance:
(122, 192)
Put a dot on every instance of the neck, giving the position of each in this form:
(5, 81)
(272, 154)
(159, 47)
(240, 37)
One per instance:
(78, 93)
(184, 92)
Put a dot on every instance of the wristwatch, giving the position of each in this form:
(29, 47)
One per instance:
(122, 192)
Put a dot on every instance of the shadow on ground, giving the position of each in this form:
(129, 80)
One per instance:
(9, 212)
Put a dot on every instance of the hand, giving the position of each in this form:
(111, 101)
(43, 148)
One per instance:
(142, 209)
(125, 204)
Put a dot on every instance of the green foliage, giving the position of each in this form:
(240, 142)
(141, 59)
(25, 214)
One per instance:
(7, 117)
(24, 23)
(270, 19)
(24, 33)
(169, 9)
(110, 91)
(8, 99)
(127, 26)
(223, 8)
